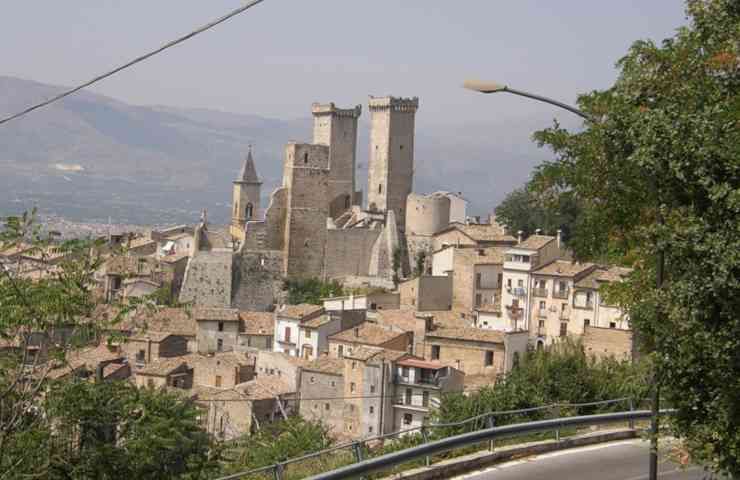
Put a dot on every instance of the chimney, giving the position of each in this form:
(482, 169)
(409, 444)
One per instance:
(559, 235)
(519, 236)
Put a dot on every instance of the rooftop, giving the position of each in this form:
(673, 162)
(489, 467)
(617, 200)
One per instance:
(300, 311)
(481, 256)
(482, 232)
(257, 323)
(220, 314)
(263, 388)
(316, 322)
(150, 335)
(176, 321)
(366, 334)
(334, 366)
(564, 268)
(468, 334)
(535, 242)
(420, 363)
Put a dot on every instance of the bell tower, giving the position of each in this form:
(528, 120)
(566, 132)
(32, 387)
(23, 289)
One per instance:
(246, 199)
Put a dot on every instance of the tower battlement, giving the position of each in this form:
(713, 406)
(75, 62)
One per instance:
(320, 109)
(396, 104)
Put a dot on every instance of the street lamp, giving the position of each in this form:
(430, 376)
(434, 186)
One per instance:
(493, 87)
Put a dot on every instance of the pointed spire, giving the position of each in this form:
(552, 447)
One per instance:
(248, 173)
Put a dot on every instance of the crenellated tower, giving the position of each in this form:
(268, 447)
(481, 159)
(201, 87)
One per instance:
(391, 161)
(337, 129)
(246, 199)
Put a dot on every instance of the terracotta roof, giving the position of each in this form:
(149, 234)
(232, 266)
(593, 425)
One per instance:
(163, 366)
(177, 321)
(404, 319)
(316, 322)
(174, 257)
(264, 388)
(257, 323)
(410, 361)
(334, 366)
(535, 242)
(91, 357)
(468, 333)
(480, 256)
(300, 311)
(485, 233)
(112, 368)
(220, 314)
(563, 268)
(449, 318)
(363, 353)
(366, 333)
(149, 335)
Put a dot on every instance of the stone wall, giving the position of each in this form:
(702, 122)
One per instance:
(328, 389)
(467, 356)
(208, 336)
(258, 281)
(608, 342)
(426, 214)
(348, 252)
(208, 280)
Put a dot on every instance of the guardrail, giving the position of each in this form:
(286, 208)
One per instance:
(485, 420)
(368, 466)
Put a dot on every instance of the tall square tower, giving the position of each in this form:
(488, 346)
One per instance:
(391, 161)
(337, 129)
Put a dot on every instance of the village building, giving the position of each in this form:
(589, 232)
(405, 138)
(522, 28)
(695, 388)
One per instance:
(218, 329)
(369, 334)
(257, 330)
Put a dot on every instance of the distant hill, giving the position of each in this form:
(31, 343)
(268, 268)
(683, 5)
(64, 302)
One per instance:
(89, 157)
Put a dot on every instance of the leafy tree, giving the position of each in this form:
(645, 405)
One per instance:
(116, 430)
(420, 265)
(659, 170)
(524, 210)
(397, 265)
(311, 290)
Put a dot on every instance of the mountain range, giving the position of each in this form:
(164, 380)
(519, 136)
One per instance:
(93, 158)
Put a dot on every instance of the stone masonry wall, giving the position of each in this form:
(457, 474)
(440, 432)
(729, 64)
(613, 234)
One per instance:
(606, 342)
(258, 282)
(348, 252)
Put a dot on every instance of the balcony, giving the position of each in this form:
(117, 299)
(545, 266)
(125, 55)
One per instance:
(421, 381)
(539, 292)
(562, 294)
(541, 313)
(564, 315)
(519, 291)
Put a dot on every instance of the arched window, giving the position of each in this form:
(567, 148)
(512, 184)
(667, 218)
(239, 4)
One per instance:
(249, 210)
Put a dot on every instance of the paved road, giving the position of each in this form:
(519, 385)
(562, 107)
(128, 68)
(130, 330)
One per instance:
(624, 460)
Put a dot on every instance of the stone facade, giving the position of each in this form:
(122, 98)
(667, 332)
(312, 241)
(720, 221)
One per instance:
(608, 342)
(246, 198)
(258, 279)
(427, 293)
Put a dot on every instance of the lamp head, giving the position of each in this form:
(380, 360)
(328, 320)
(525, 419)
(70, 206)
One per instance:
(484, 87)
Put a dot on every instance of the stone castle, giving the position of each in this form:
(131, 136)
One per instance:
(315, 225)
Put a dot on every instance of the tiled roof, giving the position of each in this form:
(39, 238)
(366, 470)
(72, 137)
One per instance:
(220, 314)
(485, 233)
(480, 256)
(299, 311)
(366, 333)
(150, 335)
(363, 353)
(257, 323)
(468, 333)
(177, 321)
(535, 242)
(334, 366)
(263, 388)
(563, 268)
(112, 368)
(449, 318)
(420, 363)
(316, 322)
(91, 357)
(163, 366)
(404, 319)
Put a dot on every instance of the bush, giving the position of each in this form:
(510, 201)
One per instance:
(311, 290)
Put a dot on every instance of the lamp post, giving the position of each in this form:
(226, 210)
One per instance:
(493, 87)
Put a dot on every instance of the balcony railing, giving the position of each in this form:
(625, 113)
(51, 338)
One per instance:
(560, 293)
(588, 305)
(542, 313)
(564, 315)
(539, 292)
(429, 381)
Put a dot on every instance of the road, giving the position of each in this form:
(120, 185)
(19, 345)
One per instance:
(624, 460)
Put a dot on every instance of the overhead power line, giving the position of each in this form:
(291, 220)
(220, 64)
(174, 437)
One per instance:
(161, 49)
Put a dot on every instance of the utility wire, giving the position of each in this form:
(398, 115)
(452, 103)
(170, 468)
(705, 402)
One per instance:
(133, 62)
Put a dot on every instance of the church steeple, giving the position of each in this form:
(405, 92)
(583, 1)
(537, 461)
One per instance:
(246, 199)
(248, 173)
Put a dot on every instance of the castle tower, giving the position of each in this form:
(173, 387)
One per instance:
(391, 162)
(246, 200)
(337, 129)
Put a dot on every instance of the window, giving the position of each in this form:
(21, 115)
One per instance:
(586, 322)
(305, 157)
(478, 299)
(542, 305)
(435, 352)
(326, 407)
(333, 383)
(352, 387)
(489, 358)
(425, 398)
(407, 418)
(542, 324)
(287, 334)
(340, 351)
(372, 388)
(562, 286)
(369, 429)
(612, 324)
(315, 406)
(218, 380)
(308, 334)
(400, 147)
(372, 410)
(525, 258)
(563, 329)
(220, 326)
(405, 372)
(249, 211)
(346, 202)
(508, 282)
(354, 365)
(312, 379)
(141, 356)
(520, 283)
(478, 279)
(220, 345)
(407, 399)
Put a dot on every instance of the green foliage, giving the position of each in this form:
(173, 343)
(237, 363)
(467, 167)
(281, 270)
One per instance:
(397, 264)
(119, 431)
(277, 442)
(311, 290)
(524, 210)
(562, 373)
(666, 142)
(420, 265)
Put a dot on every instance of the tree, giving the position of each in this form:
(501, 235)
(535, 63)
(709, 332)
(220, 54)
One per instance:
(311, 290)
(117, 430)
(523, 210)
(420, 264)
(659, 170)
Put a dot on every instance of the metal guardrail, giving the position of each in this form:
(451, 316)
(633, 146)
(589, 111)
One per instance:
(439, 446)
(486, 419)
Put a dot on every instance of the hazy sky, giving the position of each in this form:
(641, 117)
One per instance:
(278, 57)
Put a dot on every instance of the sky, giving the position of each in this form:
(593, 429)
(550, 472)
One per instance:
(280, 56)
